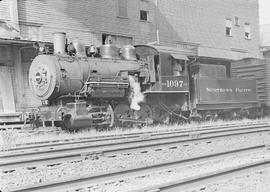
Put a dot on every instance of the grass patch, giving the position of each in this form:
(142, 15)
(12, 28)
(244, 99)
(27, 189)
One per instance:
(12, 138)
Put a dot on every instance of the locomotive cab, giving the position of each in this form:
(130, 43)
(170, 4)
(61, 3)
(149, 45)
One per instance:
(168, 93)
(167, 68)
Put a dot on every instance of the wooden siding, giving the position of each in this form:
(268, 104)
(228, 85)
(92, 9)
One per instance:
(203, 22)
(4, 10)
(258, 69)
(7, 96)
(193, 21)
(86, 20)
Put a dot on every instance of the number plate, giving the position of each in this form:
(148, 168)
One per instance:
(174, 83)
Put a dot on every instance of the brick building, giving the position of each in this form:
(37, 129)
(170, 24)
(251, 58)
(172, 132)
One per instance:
(219, 30)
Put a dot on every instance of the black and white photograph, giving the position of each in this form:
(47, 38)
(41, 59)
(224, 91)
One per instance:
(134, 95)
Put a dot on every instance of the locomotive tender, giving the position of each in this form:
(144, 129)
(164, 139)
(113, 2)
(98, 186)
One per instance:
(142, 84)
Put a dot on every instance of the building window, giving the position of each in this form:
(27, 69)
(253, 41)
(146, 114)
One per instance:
(247, 31)
(122, 8)
(228, 27)
(143, 15)
(118, 40)
(236, 21)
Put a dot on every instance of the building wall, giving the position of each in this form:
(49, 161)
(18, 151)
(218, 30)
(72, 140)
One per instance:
(85, 20)
(203, 22)
(179, 21)
(9, 22)
(4, 9)
(265, 35)
(8, 82)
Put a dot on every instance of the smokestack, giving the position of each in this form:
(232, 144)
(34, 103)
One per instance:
(59, 42)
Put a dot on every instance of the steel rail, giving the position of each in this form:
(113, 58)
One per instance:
(184, 184)
(41, 157)
(68, 183)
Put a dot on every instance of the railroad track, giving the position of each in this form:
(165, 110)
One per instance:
(49, 153)
(207, 178)
(188, 184)
(186, 171)
(132, 153)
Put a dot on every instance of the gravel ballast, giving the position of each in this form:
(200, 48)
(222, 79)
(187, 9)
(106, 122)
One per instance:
(103, 163)
(172, 174)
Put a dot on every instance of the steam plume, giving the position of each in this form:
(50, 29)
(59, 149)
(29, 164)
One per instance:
(136, 94)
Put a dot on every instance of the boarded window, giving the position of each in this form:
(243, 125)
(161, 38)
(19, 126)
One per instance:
(228, 24)
(118, 40)
(247, 31)
(122, 8)
(143, 15)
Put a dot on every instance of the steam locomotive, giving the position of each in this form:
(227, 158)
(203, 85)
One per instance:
(145, 84)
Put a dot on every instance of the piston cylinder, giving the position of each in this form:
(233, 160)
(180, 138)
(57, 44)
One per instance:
(77, 116)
